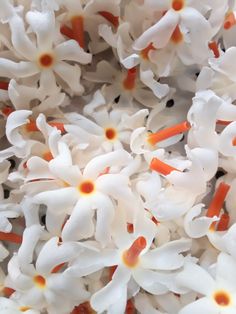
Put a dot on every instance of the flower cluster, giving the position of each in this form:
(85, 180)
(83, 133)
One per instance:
(117, 156)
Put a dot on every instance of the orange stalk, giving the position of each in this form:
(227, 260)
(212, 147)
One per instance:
(67, 31)
(11, 237)
(77, 23)
(229, 20)
(223, 223)
(130, 256)
(32, 127)
(214, 48)
(168, 132)
(129, 81)
(7, 111)
(161, 167)
(177, 36)
(130, 308)
(57, 268)
(58, 125)
(4, 85)
(218, 200)
(144, 53)
(114, 20)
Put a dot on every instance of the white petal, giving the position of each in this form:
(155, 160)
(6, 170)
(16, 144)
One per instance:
(195, 226)
(59, 254)
(105, 297)
(227, 136)
(98, 164)
(14, 121)
(43, 24)
(160, 33)
(226, 271)
(12, 69)
(71, 51)
(225, 64)
(31, 236)
(47, 83)
(20, 40)
(159, 90)
(80, 224)
(203, 305)
(150, 281)
(70, 74)
(60, 200)
(195, 278)
(105, 216)
(168, 256)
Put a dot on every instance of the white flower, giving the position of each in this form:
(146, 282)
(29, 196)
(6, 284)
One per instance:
(45, 57)
(137, 264)
(112, 127)
(79, 194)
(218, 292)
(128, 85)
(180, 24)
(40, 286)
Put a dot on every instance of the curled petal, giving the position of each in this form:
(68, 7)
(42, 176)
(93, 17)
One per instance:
(105, 297)
(98, 164)
(195, 278)
(62, 253)
(168, 256)
(195, 226)
(70, 74)
(71, 51)
(160, 33)
(12, 69)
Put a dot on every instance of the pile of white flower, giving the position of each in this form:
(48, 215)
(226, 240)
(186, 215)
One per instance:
(117, 156)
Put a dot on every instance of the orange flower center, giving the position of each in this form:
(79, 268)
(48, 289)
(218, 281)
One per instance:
(178, 5)
(46, 60)
(86, 187)
(222, 298)
(40, 281)
(131, 256)
(110, 134)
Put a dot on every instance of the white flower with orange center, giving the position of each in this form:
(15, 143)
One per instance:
(218, 292)
(130, 84)
(80, 193)
(178, 30)
(44, 285)
(134, 263)
(112, 127)
(43, 56)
